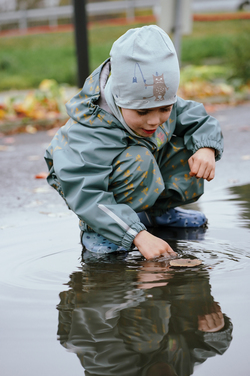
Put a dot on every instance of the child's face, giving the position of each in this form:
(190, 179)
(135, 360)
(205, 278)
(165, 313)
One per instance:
(144, 122)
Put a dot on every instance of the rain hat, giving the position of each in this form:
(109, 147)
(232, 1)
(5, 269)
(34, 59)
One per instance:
(144, 69)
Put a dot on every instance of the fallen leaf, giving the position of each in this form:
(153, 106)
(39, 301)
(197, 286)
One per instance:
(33, 157)
(3, 147)
(34, 204)
(244, 129)
(41, 190)
(9, 140)
(30, 129)
(2, 114)
(55, 215)
(4, 227)
(185, 263)
(41, 175)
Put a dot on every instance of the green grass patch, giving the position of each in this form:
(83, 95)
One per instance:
(26, 60)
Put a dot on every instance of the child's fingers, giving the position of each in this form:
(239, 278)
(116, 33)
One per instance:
(201, 169)
(208, 174)
(163, 250)
(210, 323)
(197, 169)
(169, 251)
(211, 175)
(193, 167)
(202, 164)
(204, 173)
(150, 246)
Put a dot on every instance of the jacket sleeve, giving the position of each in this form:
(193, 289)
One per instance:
(198, 129)
(210, 344)
(80, 170)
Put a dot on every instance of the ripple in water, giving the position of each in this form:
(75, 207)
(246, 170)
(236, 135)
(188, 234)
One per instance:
(47, 272)
(50, 271)
(217, 255)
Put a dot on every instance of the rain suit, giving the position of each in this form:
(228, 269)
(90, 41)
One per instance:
(117, 328)
(107, 173)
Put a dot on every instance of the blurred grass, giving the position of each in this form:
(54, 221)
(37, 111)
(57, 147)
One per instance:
(212, 40)
(26, 60)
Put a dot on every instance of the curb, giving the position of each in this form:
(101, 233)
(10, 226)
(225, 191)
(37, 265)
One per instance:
(31, 125)
(122, 21)
(222, 16)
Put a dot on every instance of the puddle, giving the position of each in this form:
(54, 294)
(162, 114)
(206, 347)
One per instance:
(122, 315)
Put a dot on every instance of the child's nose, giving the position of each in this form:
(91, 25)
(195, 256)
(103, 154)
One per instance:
(154, 119)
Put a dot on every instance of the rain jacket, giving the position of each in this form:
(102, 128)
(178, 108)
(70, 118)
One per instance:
(81, 154)
(117, 328)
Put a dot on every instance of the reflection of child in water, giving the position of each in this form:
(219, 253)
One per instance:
(132, 151)
(116, 327)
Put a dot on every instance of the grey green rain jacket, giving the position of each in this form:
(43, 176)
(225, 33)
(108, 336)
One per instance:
(82, 152)
(117, 328)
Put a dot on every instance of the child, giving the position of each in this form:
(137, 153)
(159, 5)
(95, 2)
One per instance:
(133, 151)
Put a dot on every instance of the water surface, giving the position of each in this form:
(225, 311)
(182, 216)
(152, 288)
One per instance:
(122, 315)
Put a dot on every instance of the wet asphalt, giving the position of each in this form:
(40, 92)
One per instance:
(39, 248)
(29, 206)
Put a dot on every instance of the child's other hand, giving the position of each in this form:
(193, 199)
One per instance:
(150, 246)
(211, 322)
(202, 164)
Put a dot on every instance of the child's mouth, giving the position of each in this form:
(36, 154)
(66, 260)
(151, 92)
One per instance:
(149, 131)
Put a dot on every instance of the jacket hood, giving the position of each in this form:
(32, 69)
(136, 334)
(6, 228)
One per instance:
(89, 107)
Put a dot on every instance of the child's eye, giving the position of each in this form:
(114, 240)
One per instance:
(142, 112)
(166, 109)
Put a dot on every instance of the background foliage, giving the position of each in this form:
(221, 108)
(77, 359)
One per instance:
(28, 59)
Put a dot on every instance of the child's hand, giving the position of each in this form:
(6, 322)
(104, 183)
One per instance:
(150, 246)
(212, 322)
(202, 164)
(153, 274)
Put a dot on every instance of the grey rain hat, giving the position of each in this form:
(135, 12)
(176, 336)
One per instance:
(144, 69)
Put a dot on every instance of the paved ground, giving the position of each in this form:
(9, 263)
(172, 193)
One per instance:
(39, 247)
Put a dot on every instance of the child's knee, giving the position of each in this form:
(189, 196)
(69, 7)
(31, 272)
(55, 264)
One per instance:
(136, 178)
(133, 164)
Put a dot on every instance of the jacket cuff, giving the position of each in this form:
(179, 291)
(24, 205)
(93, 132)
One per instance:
(129, 237)
(210, 144)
